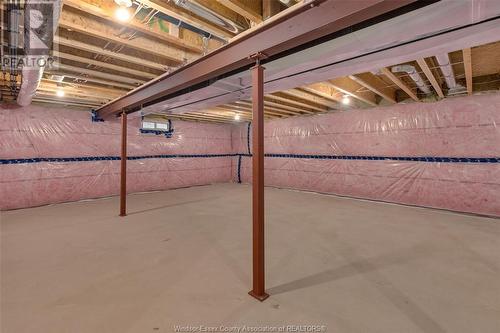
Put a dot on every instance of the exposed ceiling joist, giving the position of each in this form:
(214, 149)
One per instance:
(86, 87)
(234, 19)
(93, 28)
(370, 86)
(98, 74)
(468, 69)
(47, 92)
(105, 13)
(108, 53)
(231, 107)
(271, 8)
(213, 116)
(351, 88)
(73, 99)
(107, 65)
(399, 83)
(90, 79)
(51, 101)
(279, 103)
(312, 98)
(324, 91)
(272, 38)
(203, 119)
(427, 71)
(272, 106)
(195, 118)
(289, 99)
(68, 91)
(176, 13)
(90, 91)
(243, 9)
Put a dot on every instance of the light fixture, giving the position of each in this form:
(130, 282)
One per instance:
(346, 99)
(122, 14)
(237, 117)
(60, 90)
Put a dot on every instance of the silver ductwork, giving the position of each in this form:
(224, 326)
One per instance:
(449, 77)
(38, 16)
(412, 72)
(209, 15)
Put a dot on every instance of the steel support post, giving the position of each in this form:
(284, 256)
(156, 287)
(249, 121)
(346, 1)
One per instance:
(123, 168)
(258, 290)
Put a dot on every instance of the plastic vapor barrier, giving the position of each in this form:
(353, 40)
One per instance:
(58, 155)
(444, 154)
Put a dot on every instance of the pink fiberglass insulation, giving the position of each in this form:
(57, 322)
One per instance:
(466, 127)
(36, 132)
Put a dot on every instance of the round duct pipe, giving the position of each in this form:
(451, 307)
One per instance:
(415, 76)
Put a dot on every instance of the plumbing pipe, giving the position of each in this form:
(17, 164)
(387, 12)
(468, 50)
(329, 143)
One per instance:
(36, 18)
(412, 72)
(444, 63)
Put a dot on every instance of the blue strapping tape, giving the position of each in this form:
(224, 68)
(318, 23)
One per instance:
(248, 137)
(298, 156)
(239, 169)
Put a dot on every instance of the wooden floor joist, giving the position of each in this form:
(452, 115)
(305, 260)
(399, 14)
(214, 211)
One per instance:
(289, 99)
(87, 61)
(91, 79)
(351, 88)
(372, 87)
(95, 29)
(104, 12)
(468, 69)
(427, 71)
(172, 11)
(399, 83)
(99, 74)
(108, 53)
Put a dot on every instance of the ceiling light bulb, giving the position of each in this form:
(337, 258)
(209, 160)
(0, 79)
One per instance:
(346, 100)
(60, 93)
(122, 14)
(237, 117)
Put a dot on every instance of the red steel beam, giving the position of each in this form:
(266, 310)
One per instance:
(123, 168)
(258, 291)
(310, 20)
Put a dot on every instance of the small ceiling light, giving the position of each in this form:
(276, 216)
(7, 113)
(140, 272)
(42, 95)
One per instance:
(346, 100)
(60, 92)
(122, 14)
(237, 117)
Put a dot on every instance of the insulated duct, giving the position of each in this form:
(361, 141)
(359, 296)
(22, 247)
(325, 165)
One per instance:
(444, 63)
(37, 20)
(13, 21)
(209, 15)
(415, 76)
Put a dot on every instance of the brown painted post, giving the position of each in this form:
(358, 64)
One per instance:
(258, 290)
(123, 166)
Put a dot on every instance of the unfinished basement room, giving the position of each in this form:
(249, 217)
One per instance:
(250, 166)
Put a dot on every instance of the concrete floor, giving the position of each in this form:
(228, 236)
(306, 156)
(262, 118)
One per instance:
(182, 257)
